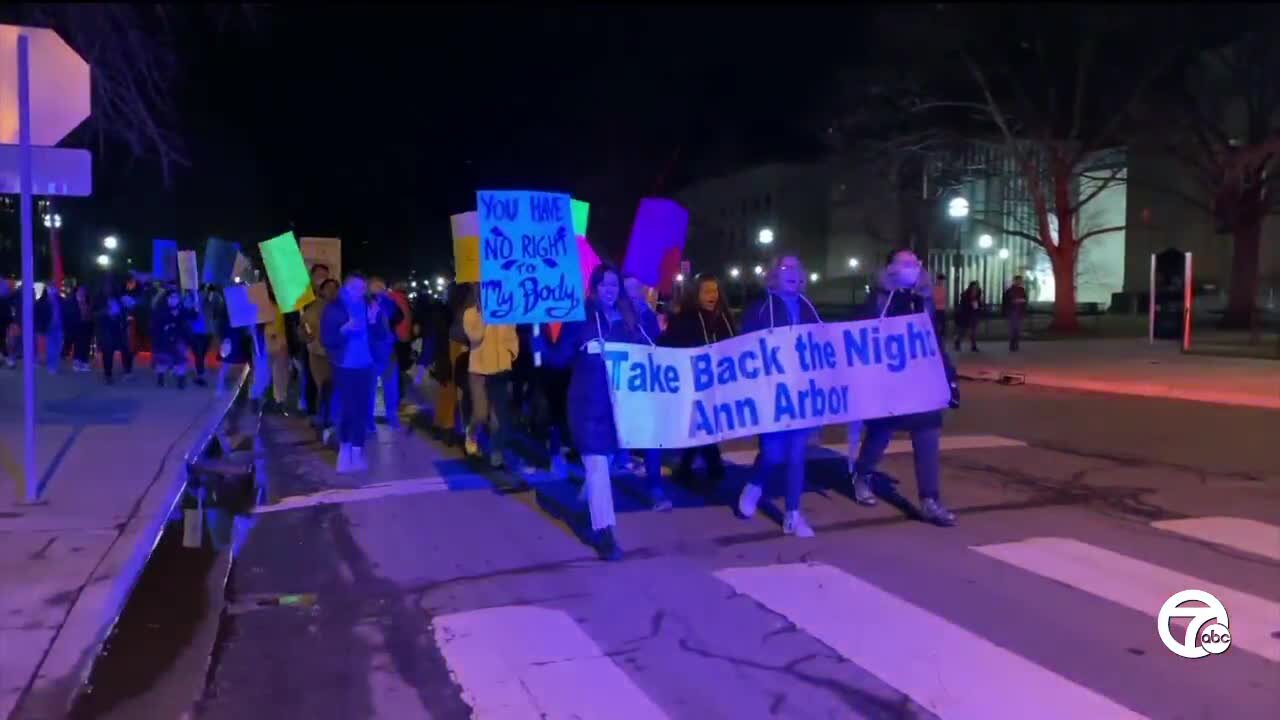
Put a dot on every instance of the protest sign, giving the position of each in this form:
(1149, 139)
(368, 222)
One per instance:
(325, 251)
(188, 270)
(287, 272)
(529, 266)
(587, 257)
(788, 378)
(219, 261)
(242, 270)
(657, 241)
(164, 260)
(466, 246)
(248, 304)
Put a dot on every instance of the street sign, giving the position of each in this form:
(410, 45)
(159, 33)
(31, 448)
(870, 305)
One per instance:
(59, 86)
(64, 172)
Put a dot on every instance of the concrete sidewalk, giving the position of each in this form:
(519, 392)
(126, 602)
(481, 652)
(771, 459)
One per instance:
(1129, 367)
(112, 465)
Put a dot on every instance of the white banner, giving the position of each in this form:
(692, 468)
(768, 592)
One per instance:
(787, 378)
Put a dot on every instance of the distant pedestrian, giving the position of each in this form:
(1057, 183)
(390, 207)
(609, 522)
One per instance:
(494, 349)
(385, 363)
(320, 371)
(80, 330)
(968, 313)
(51, 323)
(350, 327)
(940, 305)
(171, 339)
(112, 311)
(199, 307)
(1015, 310)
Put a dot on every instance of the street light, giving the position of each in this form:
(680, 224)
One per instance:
(853, 263)
(679, 277)
(958, 208)
(110, 242)
(813, 277)
(104, 261)
(765, 237)
(758, 271)
(734, 272)
(986, 241)
(53, 222)
(1003, 254)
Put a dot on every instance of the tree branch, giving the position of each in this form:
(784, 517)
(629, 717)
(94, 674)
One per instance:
(1100, 231)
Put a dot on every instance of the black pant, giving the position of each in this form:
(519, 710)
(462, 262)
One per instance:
(109, 347)
(940, 324)
(553, 416)
(404, 356)
(710, 457)
(199, 349)
(81, 340)
(310, 391)
(1015, 331)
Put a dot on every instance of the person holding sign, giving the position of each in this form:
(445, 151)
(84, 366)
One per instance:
(900, 292)
(349, 329)
(782, 452)
(494, 349)
(171, 338)
(609, 318)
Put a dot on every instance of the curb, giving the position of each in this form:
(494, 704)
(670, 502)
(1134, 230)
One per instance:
(69, 660)
(1227, 398)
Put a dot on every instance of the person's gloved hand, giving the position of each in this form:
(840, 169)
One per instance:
(955, 396)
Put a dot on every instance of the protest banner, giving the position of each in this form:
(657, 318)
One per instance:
(242, 270)
(248, 304)
(466, 246)
(219, 261)
(188, 270)
(164, 260)
(325, 251)
(529, 266)
(287, 272)
(788, 378)
(657, 242)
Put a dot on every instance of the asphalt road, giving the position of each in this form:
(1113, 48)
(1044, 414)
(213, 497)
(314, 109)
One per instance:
(442, 592)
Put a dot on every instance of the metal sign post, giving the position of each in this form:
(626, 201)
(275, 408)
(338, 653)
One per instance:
(1151, 304)
(30, 482)
(1187, 297)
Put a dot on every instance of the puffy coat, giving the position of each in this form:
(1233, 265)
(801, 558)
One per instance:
(493, 347)
(590, 401)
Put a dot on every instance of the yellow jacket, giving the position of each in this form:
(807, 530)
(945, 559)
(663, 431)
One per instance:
(493, 347)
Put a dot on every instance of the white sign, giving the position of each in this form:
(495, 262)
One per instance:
(62, 172)
(325, 251)
(787, 378)
(1206, 632)
(59, 86)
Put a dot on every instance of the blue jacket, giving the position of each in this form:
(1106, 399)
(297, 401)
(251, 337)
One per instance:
(908, 302)
(590, 402)
(335, 342)
(771, 311)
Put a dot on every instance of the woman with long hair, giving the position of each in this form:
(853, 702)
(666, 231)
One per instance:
(609, 318)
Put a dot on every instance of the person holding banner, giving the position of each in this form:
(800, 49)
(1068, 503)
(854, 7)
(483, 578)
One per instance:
(609, 318)
(647, 323)
(782, 453)
(350, 328)
(704, 320)
(901, 292)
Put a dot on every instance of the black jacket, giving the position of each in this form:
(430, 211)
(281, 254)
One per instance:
(697, 327)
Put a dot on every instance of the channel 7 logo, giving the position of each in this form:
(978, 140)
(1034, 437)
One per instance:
(1207, 632)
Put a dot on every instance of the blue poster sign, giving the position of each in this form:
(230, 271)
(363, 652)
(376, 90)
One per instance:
(164, 260)
(529, 266)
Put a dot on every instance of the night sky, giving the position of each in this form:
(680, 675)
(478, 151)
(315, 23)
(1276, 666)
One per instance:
(376, 124)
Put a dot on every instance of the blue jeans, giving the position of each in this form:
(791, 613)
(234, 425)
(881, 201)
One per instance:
(390, 375)
(53, 348)
(925, 447)
(353, 403)
(783, 454)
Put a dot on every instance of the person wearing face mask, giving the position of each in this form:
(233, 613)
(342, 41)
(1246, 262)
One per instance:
(901, 292)
(704, 320)
(350, 329)
(647, 322)
(609, 318)
(171, 339)
(782, 452)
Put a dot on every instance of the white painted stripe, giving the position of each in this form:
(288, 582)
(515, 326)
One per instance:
(896, 447)
(1140, 586)
(944, 667)
(338, 496)
(1251, 536)
(523, 661)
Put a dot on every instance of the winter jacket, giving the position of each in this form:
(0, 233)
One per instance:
(493, 347)
(696, 328)
(590, 400)
(171, 331)
(888, 302)
(336, 341)
(771, 311)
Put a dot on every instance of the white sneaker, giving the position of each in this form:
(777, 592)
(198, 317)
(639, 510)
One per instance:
(344, 459)
(358, 461)
(749, 499)
(795, 524)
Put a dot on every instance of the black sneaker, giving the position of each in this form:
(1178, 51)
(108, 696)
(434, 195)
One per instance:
(201, 382)
(863, 493)
(933, 511)
(607, 546)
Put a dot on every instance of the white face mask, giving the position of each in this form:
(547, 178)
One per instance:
(906, 277)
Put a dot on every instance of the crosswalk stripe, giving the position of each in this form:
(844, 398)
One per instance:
(942, 666)
(1250, 536)
(338, 496)
(1140, 586)
(523, 661)
(896, 447)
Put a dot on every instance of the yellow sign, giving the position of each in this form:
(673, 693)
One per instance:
(466, 246)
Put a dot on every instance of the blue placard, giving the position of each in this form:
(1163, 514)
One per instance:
(164, 260)
(219, 260)
(529, 266)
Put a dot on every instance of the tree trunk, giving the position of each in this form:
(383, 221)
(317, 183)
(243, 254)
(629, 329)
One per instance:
(1064, 293)
(1243, 294)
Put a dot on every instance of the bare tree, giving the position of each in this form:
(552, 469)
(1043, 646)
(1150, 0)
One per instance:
(1226, 132)
(132, 54)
